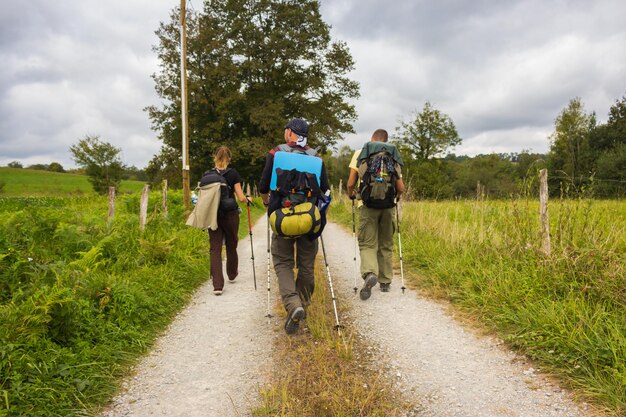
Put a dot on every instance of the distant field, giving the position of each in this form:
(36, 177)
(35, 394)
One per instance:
(29, 182)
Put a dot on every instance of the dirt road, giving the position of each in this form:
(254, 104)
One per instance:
(217, 353)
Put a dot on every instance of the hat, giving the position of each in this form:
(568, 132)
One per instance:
(299, 126)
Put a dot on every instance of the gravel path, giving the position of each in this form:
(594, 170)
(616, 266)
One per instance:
(217, 353)
(438, 364)
(214, 356)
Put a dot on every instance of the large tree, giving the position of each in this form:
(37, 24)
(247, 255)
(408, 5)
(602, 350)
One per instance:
(252, 65)
(101, 162)
(569, 150)
(429, 134)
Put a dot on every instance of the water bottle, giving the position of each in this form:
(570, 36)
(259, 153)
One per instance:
(194, 198)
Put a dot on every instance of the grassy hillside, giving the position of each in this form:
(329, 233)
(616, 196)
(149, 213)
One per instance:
(565, 310)
(29, 182)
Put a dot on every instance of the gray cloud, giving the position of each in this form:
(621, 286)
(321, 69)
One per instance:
(75, 68)
(502, 70)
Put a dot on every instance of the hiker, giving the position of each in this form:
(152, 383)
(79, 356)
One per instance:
(378, 169)
(227, 218)
(295, 291)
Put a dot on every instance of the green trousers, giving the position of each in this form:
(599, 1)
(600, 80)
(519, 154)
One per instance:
(295, 290)
(376, 229)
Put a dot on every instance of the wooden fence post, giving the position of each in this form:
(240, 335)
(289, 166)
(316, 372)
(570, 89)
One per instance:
(143, 207)
(543, 211)
(340, 187)
(111, 203)
(165, 197)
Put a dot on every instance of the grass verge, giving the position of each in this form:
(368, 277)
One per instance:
(322, 372)
(566, 311)
(81, 299)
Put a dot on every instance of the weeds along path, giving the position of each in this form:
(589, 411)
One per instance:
(438, 363)
(216, 353)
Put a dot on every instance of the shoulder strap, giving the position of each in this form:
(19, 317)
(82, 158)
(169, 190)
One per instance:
(222, 173)
(286, 148)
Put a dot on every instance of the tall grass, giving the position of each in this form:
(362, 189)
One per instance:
(568, 310)
(81, 298)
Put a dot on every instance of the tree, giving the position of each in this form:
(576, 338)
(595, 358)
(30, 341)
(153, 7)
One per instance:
(101, 162)
(570, 150)
(337, 165)
(252, 65)
(430, 134)
(55, 167)
(611, 172)
(165, 166)
(15, 164)
(38, 167)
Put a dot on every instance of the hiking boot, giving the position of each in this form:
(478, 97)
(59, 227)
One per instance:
(384, 286)
(370, 281)
(218, 292)
(293, 320)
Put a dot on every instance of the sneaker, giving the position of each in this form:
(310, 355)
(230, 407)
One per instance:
(293, 320)
(384, 286)
(370, 281)
(218, 292)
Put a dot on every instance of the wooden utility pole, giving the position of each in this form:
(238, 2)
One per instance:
(183, 104)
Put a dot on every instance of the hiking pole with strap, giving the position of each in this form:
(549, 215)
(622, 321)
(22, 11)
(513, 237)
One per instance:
(268, 315)
(400, 247)
(330, 284)
(251, 245)
(356, 272)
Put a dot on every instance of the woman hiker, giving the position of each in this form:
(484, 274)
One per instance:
(227, 222)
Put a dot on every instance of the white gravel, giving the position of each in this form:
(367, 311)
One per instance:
(217, 354)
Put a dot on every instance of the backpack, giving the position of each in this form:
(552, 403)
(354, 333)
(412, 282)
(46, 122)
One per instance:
(378, 176)
(297, 214)
(227, 200)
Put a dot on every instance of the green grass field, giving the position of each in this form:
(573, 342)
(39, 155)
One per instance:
(567, 311)
(81, 298)
(29, 182)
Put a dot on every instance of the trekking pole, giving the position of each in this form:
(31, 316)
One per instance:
(400, 248)
(251, 245)
(356, 272)
(268, 315)
(330, 284)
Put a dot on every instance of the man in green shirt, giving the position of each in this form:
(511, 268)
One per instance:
(376, 220)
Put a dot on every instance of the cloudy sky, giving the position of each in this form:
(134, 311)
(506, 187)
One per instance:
(502, 70)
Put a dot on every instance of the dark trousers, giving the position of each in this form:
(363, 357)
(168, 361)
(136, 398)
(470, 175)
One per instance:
(295, 292)
(227, 229)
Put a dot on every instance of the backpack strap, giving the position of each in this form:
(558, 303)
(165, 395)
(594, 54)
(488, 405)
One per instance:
(286, 148)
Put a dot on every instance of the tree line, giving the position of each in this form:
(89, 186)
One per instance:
(584, 157)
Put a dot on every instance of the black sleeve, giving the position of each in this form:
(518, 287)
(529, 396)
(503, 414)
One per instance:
(266, 176)
(324, 186)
